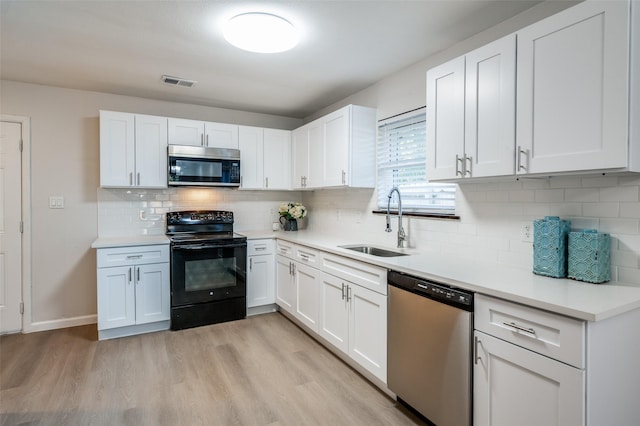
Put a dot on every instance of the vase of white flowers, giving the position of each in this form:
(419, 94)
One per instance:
(289, 215)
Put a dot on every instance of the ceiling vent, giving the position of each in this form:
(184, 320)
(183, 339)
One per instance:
(176, 81)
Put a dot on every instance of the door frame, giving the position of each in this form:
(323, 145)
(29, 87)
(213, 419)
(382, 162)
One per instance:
(25, 123)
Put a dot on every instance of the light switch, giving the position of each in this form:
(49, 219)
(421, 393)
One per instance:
(56, 202)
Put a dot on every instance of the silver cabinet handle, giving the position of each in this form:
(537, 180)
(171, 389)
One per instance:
(138, 178)
(129, 275)
(251, 263)
(304, 257)
(343, 286)
(467, 170)
(344, 177)
(266, 182)
(290, 268)
(294, 269)
(263, 248)
(476, 357)
(134, 256)
(206, 142)
(348, 293)
(201, 139)
(458, 163)
(138, 275)
(131, 179)
(520, 328)
(521, 165)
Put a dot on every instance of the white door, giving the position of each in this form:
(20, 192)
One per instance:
(368, 329)
(185, 132)
(334, 312)
(515, 386)
(277, 159)
(10, 236)
(221, 135)
(116, 297)
(490, 103)
(336, 141)
(316, 156)
(300, 154)
(117, 149)
(151, 151)
(251, 155)
(572, 91)
(152, 293)
(285, 285)
(260, 281)
(445, 120)
(307, 295)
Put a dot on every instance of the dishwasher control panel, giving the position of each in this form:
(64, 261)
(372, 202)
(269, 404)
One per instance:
(432, 290)
(442, 292)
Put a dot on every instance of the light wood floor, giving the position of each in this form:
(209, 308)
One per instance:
(260, 371)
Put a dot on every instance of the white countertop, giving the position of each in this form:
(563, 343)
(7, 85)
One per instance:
(136, 240)
(586, 301)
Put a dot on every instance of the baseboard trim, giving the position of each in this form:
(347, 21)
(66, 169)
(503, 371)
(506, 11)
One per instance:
(60, 323)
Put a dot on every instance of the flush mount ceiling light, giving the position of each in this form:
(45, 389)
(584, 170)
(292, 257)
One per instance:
(261, 32)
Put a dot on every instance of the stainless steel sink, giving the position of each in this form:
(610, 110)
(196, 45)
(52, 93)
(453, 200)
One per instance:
(374, 251)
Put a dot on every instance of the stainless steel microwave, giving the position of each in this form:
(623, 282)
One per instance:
(203, 166)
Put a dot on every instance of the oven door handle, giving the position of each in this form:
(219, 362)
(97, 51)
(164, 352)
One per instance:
(206, 246)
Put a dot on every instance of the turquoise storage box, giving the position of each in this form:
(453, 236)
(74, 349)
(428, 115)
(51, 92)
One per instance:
(550, 246)
(589, 256)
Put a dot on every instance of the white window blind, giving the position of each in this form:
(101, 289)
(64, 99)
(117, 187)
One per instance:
(402, 155)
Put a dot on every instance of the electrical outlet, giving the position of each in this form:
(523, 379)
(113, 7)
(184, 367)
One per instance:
(527, 233)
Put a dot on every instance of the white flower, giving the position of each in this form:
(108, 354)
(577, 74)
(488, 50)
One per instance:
(292, 210)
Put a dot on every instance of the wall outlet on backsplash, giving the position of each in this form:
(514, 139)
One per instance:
(527, 232)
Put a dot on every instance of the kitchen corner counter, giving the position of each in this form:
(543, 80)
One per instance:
(581, 300)
(129, 241)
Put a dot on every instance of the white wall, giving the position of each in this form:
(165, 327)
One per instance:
(65, 161)
(492, 214)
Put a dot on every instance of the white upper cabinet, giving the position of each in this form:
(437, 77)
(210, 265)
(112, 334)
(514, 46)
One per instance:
(133, 150)
(336, 150)
(265, 158)
(573, 91)
(202, 133)
(471, 114)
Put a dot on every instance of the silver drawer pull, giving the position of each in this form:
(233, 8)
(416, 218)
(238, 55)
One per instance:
(134, 256)
(304, 256)
(261, 248)
(520, 328)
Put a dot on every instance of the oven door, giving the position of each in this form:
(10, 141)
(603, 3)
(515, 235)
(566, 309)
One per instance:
(205, 272)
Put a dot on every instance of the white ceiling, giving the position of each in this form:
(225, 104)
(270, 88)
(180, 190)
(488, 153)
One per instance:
(124, 47)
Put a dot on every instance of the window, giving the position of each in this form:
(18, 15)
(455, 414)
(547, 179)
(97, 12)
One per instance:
(402, 154)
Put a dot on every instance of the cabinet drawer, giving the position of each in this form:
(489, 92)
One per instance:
(136, 255)
(285, 248)
(364, 274)
(546, 333)
(307, 256)
(263, 246)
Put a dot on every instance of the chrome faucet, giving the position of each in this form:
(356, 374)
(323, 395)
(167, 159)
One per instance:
(401, 234)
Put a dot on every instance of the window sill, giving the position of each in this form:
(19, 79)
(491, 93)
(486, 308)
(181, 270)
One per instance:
(421, 214)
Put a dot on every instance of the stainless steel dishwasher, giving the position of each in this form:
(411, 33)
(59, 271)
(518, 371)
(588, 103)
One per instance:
(430, 328)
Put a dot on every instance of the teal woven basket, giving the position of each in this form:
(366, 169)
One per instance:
(550, 246)
(589, 256)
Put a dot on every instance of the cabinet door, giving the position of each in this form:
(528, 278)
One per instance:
(445, 120)
(186, 132)
(152, 293)
(490, 102)
(572, 79)
(116, 297)
(335, 147)
(368, 329)
(515, 386)
(300, 156)
(260, 281)
(221, 135)
(151, 151)
(334, 312)
(285, 285)
(117, 149)
(316, 155)
(251, 157)
(277, 159)
(307, 295)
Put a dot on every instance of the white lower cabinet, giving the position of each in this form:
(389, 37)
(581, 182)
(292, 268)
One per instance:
(534, 367)
(261, 285)
(354, 320)
(341, 300)
(515, 386)
(133, 294)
